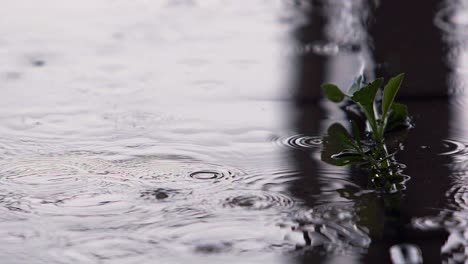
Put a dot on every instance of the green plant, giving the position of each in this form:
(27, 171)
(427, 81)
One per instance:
(341, 148)
(391, 115)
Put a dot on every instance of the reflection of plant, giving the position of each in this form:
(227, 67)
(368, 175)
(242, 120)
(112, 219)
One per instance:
(341, 148)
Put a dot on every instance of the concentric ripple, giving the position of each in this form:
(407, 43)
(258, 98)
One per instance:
(451, 19)
(299, 141)
(258, 200)
(446, 220)
(209, 175)
(452, 147)
(162, 170)
(59, 173)
(70, 184)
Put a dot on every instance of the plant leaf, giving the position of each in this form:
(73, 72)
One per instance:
(357, 85)
(366, 95)
(332, 92)
(345, 158)
(390, 91)
(365, 98)
(339, 147)
(338, 133)
(398, 117)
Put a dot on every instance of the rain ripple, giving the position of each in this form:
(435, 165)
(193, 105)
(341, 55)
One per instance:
(452, 19)
(66, 185)
(299, 141)
(452, 147)
(158, 169)
(258, 200)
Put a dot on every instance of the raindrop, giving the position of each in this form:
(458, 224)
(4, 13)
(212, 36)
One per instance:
(38, 62)
(159, 193)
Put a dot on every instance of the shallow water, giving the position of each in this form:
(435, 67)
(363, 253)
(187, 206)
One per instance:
(191, 132)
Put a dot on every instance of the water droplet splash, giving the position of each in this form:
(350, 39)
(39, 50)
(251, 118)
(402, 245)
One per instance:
(161, 194)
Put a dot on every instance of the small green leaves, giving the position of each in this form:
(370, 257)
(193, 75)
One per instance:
(341, 148)
(398, 117)
(366, 95)
(332, 92)
(390, 92)
(339, 134)
(365, 98)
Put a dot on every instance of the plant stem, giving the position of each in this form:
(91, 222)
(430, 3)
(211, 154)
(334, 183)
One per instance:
(383, 124)
(374, 126)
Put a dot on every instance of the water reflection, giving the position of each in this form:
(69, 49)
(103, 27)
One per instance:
(450, 20)
(403, 44)
(389, 225)
(339, 52)
(427, 93)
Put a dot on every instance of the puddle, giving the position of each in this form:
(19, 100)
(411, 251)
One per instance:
(192, 132)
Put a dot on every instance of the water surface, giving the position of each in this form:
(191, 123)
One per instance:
(191, 131)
